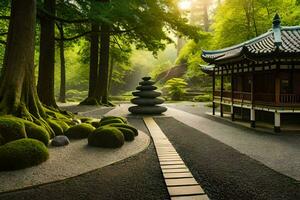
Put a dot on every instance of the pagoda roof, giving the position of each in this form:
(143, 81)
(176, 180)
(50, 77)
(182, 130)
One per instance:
(279, 42)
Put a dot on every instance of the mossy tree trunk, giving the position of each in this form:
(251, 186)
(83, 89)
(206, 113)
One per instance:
(62, 90)
(18, 94)
(45, 85)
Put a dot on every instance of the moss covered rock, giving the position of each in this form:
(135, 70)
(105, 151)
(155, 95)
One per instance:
(135, 131)
(95, 124)
(107, 137)
(123, 119)
(11, 128)
(79, 131)
(22, 153)
(110, 121)
(128, 134)
(37, 132)
(55, 127)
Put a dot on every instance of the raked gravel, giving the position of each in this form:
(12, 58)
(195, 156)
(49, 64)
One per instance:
(70, 161)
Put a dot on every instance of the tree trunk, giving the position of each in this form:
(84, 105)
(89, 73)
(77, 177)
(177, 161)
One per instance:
(18, 93)
(62, 90)
(94, 59)
(111, 68)
(102, 91)
(45, 85)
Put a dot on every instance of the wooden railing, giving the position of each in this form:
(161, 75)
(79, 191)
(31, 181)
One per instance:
(289, 98)
(262, 98)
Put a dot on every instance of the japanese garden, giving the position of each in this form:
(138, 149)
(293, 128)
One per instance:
(150, 99)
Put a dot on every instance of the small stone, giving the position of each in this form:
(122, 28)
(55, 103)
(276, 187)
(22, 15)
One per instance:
(147, 102)
(60, 140)
(146, 83)
(147, 94)
(147, 109)
(146, 87)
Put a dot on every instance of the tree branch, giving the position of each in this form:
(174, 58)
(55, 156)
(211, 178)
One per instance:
(44, 13)
(74, 37)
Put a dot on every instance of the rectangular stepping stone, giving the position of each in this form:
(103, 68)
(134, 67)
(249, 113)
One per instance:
(171, 162)
(185, 190)
(175, 170)
(194, 197)
(169, 159)
(178, 175)
(181, 182)
(173, 166)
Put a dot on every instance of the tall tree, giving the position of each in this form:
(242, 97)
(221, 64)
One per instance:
(62, 89)
(45, 85)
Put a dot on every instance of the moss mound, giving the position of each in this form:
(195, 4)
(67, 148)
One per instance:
(123, 119)
(110, 121)
(63, 125)
(128, 134)
(117, 125)
(95, 124)
(37, 132)
(79, 131)
(89, 101)
(107, 137)
(55, 127)
(22, 153)
(11, 128)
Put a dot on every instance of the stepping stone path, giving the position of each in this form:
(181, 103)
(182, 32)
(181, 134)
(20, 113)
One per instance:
(178, 178)
(146, 99)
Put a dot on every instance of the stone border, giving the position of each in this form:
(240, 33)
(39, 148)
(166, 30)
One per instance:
(70, 161)
(180, 182)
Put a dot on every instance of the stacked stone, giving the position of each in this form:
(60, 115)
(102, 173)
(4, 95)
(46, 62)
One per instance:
(146, 99)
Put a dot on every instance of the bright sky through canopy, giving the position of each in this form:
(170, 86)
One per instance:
(185, 4)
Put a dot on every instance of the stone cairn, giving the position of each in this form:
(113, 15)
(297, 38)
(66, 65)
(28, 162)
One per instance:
(146, 99)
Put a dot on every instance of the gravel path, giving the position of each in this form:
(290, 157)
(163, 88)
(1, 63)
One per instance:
(135, 178)
(224, 172)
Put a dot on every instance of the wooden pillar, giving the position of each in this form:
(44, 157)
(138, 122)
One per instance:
(214, 89)
(252, 111)
(222, 89)
(277, 122)
(277, 86)
(232, 92)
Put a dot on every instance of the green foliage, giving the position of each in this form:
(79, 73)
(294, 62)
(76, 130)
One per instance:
(176, 88)
(203, 98)
(22, 153)
(11, 129)
(79, 131)
(127, 126)
(37, 132)
(128, 134)
(107, 137)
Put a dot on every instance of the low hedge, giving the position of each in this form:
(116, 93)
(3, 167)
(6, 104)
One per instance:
(11, 129)
(79, 131)
(22, 153)
(107, 137)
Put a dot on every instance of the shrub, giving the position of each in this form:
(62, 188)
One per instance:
(108, 137)
(124, 120)
(37, 132)
(203, 98)
(22, 153)
(176, 88)
(117, 125)
(110, 121)
(79, 131)
(11, 128)
(128, 134)
(55, 127)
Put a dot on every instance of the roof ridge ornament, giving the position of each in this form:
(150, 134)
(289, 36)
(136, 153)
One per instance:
(277, 30)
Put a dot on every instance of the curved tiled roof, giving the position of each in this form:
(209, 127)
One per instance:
(276, 43)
